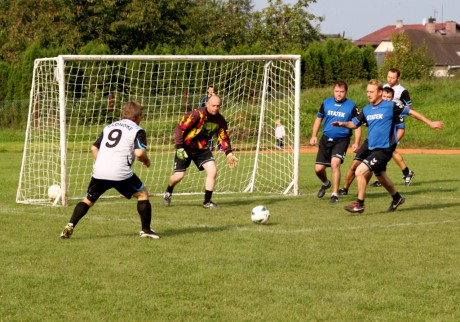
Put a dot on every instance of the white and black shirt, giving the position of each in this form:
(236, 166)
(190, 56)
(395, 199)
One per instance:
(116, 145)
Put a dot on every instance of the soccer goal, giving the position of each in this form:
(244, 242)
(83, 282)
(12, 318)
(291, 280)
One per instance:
(74, 96)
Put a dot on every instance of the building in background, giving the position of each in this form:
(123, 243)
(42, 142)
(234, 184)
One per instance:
(442, 41)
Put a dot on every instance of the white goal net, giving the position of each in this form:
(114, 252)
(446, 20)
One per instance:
(73, 97)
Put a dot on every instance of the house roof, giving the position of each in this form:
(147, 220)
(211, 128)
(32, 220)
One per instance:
(442, 45)
(375, 38)
(444, 49)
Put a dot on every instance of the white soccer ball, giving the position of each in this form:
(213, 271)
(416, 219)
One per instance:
(260, 215)
(54, 191)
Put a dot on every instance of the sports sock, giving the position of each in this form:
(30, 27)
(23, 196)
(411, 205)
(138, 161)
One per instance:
(207, 196)
(406, 171)
(80, 210)
(170, 189)
(144, 208)
(396, 196)
(361, 202)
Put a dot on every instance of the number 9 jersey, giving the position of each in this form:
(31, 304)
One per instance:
(116, 145)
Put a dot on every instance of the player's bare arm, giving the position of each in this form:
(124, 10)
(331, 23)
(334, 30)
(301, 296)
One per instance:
(141, 156)
(435, 125)
(348, 125)
(314, 133)
(94, 151)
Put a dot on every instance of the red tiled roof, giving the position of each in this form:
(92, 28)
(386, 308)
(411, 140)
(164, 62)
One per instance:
(375, 38)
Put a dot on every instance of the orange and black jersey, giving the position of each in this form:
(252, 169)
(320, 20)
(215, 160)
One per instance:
(197, 127)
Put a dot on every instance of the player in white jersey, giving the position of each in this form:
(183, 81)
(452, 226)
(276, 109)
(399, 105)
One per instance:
(114, 151)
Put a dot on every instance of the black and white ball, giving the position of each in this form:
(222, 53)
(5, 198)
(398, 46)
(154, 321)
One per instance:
(260, 215)
(54, 191)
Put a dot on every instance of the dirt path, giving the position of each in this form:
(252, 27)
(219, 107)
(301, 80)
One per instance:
(306, 149)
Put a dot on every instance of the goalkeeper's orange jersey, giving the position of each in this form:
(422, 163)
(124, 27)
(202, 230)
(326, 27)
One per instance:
(197, 127)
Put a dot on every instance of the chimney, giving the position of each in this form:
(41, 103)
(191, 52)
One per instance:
(451, 28)
(399, 24)
(431, 27)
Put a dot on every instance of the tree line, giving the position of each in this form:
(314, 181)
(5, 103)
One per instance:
(31, 29)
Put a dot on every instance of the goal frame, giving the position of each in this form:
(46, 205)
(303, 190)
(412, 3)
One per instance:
(60, 76)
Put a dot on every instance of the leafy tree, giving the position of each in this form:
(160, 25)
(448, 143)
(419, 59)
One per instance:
(414, 63)
(281, 26)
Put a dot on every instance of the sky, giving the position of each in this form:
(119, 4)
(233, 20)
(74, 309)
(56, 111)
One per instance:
(358, 18)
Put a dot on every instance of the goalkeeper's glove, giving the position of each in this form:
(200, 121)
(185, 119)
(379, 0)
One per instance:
(181, 154)
(232, 160)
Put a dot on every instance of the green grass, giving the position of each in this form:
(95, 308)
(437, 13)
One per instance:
(313, 261)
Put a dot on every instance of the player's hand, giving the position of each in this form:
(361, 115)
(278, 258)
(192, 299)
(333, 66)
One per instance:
(232, 161)
(146, 164)
(313, 140)
(181, 154)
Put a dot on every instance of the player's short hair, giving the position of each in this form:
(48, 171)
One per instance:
(341, 83)
(132, 111)
(375, 82)
(395, 70)
(389, 90)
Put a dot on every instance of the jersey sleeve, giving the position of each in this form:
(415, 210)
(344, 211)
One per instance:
(223, 138)
(320, 113)
(405, 98)
(140, 142)
(188, 122)
(98, 141)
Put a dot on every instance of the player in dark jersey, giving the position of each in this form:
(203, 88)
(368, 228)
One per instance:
(114, 151)
(334, 141)
(191, 138)
(380, 116)
(387, 94)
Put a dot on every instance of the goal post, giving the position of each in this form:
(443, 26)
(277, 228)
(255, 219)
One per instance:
(73, 97)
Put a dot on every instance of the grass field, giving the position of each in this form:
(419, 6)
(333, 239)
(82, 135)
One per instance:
(312, 262)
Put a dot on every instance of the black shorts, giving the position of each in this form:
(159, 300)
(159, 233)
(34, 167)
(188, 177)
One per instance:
(126, 187)
(199, 158)
(378, 159)
(329, 148)
(363, 151)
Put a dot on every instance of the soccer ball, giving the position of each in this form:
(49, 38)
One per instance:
(54, 191)
(260, 215)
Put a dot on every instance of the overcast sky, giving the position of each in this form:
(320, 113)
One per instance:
(357, 18)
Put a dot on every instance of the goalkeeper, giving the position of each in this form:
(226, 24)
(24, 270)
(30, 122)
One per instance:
(191, 137)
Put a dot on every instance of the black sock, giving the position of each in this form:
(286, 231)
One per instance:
(396, 196)
(170, 189)
(361, 202)
(207, 196)
(405, 171)
(80, 210)
(144, 208)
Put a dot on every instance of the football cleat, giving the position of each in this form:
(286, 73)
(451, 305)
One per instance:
(355, 207)
(67, 232)
(322, 190)
(210, 205)
(149, 234)
(376, 184)
(334, 199)
(343, 192)
(167, 199)
(395, 203)
(409, 177)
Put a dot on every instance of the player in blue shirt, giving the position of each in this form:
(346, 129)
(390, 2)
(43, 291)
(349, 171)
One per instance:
(380, 116)
(334, 141)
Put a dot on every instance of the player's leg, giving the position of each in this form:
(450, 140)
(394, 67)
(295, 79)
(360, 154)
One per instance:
(211, 175)
(320, 171)
(144, 209)
(408, 174)
(335, 176)
(363, 174)
(386, 182)
(180, 166)
(95, 189)
(349, 177)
